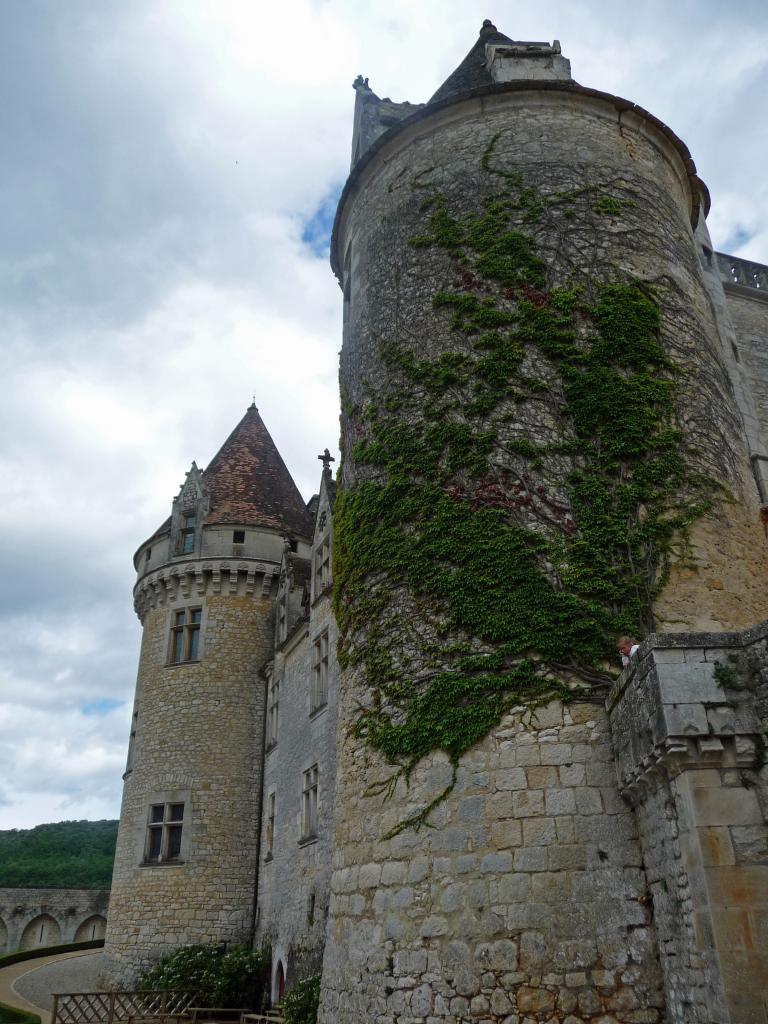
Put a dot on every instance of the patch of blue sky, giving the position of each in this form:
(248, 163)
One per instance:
(100, 707)
(316, 232)
(738, 237)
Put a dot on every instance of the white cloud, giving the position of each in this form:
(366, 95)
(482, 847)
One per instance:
(160, 164)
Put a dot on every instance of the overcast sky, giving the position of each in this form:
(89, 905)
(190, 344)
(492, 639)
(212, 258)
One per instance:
(168, 174)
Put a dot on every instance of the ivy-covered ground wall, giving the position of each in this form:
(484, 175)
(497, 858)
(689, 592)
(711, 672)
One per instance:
(537, 434)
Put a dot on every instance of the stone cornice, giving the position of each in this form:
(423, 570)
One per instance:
(698, 190)
(199, 577)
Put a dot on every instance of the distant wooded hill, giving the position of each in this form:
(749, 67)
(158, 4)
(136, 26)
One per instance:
(66, 855)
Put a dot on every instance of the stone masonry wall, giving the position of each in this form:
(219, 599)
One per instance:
(527, 900)
(689, 743)
(75, 915)
(295, 874)
(525, 897)
(294, 882)
(750, 318)
(199, 732)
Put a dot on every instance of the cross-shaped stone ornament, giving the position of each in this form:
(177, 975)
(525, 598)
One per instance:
(326, 458)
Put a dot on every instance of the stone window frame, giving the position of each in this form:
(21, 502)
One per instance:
(269, 828)
(186, 630)
(166, 799)
(282, 614)
(273, 713)
(185, 544)
(310, 803)
(322, 565)
(318, 693)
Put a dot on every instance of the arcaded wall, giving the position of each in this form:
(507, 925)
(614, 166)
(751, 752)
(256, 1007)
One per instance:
(38, 917)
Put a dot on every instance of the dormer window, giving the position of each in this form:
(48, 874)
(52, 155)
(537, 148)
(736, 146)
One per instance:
(187, 533)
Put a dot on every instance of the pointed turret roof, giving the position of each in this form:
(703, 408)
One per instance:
(248, 483)
(472, 72)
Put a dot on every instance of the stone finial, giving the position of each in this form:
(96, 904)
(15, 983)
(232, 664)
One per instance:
(326, 458)
(360, 84)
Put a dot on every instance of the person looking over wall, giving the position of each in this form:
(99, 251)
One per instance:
(627, 647)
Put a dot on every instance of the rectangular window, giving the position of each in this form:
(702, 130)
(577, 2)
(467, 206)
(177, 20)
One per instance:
(282, 617)
(319, 686)
(269, 837)
(185, 635)
(323, 566)
(273, 712)
(309, 803)
(238, 536)
(164, 831)
(187, 533)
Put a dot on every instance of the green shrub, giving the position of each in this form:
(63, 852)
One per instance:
(232, 978)
(13, 1015)
(34, 954)
(301, 1003)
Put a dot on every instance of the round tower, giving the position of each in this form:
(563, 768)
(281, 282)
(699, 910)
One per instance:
(542, 450)
(186, 859)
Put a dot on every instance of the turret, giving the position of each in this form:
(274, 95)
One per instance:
(185, 868)
(542, 450)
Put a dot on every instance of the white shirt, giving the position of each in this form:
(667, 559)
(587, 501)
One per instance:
(625, 658)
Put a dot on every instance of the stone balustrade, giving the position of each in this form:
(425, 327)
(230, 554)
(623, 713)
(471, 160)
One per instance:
(742, 273)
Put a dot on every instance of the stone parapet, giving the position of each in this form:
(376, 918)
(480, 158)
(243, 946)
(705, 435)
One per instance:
(738, 273)
(198, 577)
(688, 728)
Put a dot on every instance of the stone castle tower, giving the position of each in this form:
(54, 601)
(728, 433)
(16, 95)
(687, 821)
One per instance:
(554, 432)
(205, 590)
(547, 442)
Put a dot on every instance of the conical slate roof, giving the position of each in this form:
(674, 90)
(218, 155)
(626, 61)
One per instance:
(249, 484)
(471, 73)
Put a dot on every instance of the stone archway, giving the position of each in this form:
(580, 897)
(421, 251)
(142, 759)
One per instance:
(278, 987)
(42, 930)
(3, 936)
(94, 927)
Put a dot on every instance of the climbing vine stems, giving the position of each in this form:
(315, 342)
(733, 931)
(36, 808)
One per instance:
(525, 489)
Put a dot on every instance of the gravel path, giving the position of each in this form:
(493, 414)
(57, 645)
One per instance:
(78, 973)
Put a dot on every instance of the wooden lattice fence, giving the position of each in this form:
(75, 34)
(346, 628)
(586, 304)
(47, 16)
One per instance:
(109, 1007)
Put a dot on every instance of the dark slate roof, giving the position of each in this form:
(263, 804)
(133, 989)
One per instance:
(248, 483)
(471, 73)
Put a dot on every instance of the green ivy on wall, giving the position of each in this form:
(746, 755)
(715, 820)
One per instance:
(524, 559)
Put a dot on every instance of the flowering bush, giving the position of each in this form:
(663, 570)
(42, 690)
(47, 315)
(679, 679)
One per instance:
(231, 978)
